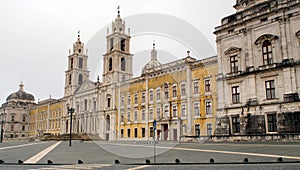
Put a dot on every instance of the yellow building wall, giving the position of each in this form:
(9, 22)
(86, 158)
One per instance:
(200, 73)
(45, 118)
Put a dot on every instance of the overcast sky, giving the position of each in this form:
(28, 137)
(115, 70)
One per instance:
(36, 35)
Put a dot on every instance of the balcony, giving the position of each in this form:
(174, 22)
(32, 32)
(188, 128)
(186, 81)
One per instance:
(291, 97)
(266, 67)
(252, 102)
(233, 74)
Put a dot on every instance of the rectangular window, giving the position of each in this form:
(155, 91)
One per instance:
(24, 118)
(175, 111)
(158, 112)
(95, 105)
(151, 95)
(108, 102)
(166, 111)
(77, 106)
(233, 64)
(70, 79)
(111, 44)
(183, 89)
(272, 123)
(128, 133)
(23, 128)
(128, 116)
(270, 89)
(166, 91)
(143, 115)
(207, 86)
(183, 110)
(197, 130)
(151, 132)
(122, 43)
(122, 117)
(122, 133)
(143, 97)
(151, 114)
(235, 124)
(196, 87)
(143, 132)
(122, 101)
(174, 91)
(208, 107)
(85, 104)
(128, 100)
(135, 132)
(158, 94)
(12, 118)
(197, 109)
(267, 52)
(135, 115)
(71, 62)
(135, 98)
(11, 127)
(209, 129)
(235, 94)
(80, 62)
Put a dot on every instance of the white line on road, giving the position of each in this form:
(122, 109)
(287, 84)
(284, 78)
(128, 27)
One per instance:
(139, 167)
(18, 146)
(216, 151)
(40, 155)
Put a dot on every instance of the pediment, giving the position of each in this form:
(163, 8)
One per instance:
(232, 50)
(264, 37)
(85, 86)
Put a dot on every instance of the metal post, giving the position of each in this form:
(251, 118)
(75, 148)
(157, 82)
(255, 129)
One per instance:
(154, 149)
(1, 131)
(71, 111)
(154, 131)
(2, 122)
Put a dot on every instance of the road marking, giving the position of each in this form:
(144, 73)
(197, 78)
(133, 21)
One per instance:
(18, 146)
(139, 167)
(240, 153)
(69, 167)
(40, 155)
(215, 151)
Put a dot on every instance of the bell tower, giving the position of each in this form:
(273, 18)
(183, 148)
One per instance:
(117, 60)
(77, 71)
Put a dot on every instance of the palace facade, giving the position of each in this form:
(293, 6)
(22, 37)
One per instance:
(181, 95)
(259, 65)
(250, 89)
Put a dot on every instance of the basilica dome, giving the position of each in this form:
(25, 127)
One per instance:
(20, 95)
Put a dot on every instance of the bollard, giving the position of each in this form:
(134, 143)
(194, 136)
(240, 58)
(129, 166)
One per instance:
(117, 161)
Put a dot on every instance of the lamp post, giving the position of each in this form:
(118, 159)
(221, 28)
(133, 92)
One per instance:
(70, 111)
(154, 129)
(2, 122)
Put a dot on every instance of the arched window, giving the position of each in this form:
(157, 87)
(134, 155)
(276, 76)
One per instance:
(108, 98)
(267, 52)
(79, 79)
(123, 64)
(70, 79)
(110, 64)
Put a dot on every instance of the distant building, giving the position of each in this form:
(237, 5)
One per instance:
(181, 95)
(259, 66)
(14, 114)
(45, 117)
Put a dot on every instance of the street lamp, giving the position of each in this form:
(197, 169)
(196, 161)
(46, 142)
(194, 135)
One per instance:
(2, 122)
(70, 111)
